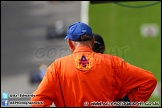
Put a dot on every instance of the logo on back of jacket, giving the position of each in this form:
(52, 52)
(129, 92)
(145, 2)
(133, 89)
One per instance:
(83, 62)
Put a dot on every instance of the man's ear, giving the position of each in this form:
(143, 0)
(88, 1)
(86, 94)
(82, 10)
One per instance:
(70, 43)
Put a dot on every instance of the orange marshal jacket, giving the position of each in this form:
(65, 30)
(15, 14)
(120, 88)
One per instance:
(84, 77)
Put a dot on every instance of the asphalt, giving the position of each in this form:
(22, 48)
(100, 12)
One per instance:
(24, 43)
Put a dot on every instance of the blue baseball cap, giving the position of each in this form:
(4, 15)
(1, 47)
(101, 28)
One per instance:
(76, 30)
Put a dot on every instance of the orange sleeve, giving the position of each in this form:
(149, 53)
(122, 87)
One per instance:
(137, 83)
(43, 92)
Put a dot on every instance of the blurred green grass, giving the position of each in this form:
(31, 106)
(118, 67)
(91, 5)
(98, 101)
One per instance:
(120, 28)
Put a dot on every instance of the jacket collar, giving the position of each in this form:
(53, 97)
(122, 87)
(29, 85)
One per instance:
(83, 49)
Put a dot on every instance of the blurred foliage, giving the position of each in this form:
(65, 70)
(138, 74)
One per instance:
(120, 28)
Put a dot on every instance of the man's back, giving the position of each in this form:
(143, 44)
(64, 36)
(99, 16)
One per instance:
(86, 78)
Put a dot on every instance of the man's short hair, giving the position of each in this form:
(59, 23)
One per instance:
(85, 37)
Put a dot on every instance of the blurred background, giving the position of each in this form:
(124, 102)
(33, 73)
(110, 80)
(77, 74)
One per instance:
(131, 30)
(32, 37)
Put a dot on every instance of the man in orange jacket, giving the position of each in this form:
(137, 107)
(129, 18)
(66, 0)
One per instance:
(87, 78)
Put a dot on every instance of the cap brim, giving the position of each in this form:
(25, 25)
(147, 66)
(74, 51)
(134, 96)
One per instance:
(65, 37)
